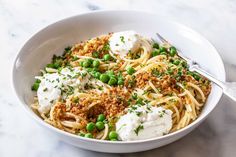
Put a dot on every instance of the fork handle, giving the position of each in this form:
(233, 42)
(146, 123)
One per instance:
(229, 88)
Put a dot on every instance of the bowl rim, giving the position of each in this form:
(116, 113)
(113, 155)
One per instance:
(64, 133)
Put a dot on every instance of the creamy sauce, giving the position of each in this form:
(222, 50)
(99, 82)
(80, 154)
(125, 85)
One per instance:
(55, 85)
(144, 122)
(121, 43)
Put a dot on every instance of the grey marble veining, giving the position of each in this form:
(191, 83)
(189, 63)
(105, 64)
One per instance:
(21, 137)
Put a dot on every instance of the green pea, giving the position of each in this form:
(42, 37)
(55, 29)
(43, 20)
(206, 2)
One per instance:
(86, 63)
(90, 126)
(93, 73)
(100, 125)
(89, 69)
(81, 63)
(110, 73)
(88, 135)
(155, 52)
(113, 139)
(163, 53)
(173, 48)
(155, 45)
(97, 75)
(172, 51)
(113, 135)
(176, 62)
(162, 49)
(130, 70)
(107, 57)
(90, 61)
(120, 81)
(112, 81)
(37, 81)
(101, 117)
(96, 63)
(81, 134)
(104, 78)
(35, 86)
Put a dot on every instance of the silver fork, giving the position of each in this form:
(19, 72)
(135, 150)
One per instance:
(229, 88)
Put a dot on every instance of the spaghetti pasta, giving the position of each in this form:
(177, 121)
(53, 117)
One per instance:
(106, 84)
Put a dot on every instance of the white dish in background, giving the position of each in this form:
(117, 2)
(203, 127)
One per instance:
(38, 50)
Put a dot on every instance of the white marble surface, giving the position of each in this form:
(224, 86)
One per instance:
(19, 19)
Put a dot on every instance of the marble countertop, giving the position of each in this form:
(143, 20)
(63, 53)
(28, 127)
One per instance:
(21, 137)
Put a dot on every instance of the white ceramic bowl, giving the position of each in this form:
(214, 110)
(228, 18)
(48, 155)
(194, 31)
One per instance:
(38, 50)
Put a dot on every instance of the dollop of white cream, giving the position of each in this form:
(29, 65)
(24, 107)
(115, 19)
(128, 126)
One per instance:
(52, 86)
(144, 122)
(121, 43)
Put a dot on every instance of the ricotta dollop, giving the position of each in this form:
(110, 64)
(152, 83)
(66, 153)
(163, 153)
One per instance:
(121, 43)
(144, 122)
(54, 85)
